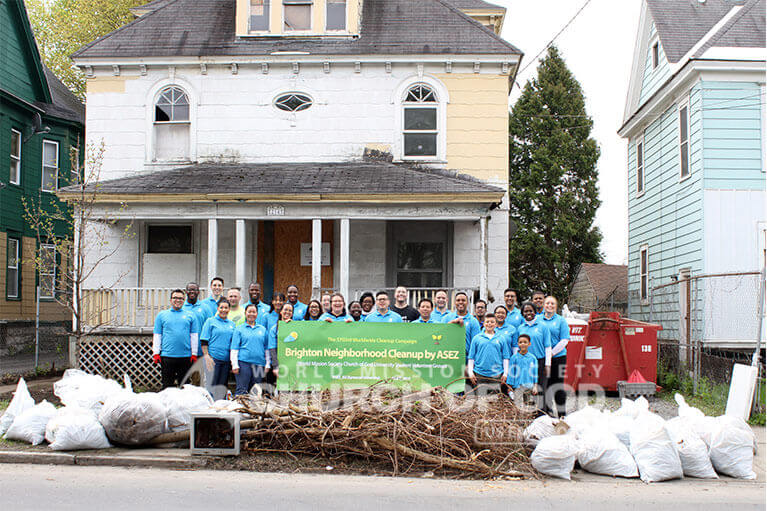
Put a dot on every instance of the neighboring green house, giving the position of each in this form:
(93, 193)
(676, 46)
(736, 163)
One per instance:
(41, 126)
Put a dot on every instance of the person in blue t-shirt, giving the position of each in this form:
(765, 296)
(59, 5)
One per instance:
(337, 311)
(368, 303)
(425, 308)
(559, 331)
(175, 341)
(355, 310)
(250, 351)
(505, 329)
(313, 311)
(480, 309)
(216, 293)
(216, 338)
(537, 299)
(254, 297)
(273, 316)
(463, 317)
(286, 316)
(441, 313)
(523, 372)
(299, 309)
(540, 342)
(488, 357)
(194, 305)
(513, 316)
(382, 312)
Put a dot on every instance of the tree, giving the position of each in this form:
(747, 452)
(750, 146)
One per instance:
(77, 237)
(64, 26)
(553, 194)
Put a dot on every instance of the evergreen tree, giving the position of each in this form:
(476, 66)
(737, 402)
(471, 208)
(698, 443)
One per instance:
(553, 190)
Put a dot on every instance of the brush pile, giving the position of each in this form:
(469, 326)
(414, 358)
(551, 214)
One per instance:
(413, 433)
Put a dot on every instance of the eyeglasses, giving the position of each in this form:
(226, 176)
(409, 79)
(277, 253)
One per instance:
(176, 297)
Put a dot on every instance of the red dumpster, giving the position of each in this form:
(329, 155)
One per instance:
(608, 349)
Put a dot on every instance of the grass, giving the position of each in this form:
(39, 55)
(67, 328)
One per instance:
(4, 404)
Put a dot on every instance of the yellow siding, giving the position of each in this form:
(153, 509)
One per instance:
(111, 84)
(242, 9)
(478, 124)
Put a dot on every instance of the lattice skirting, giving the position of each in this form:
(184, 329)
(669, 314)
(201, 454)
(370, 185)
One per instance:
(113, 356)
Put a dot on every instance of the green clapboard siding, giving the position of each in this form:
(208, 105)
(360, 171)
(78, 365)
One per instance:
(20, 74)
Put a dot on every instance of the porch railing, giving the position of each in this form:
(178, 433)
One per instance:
(415, 294)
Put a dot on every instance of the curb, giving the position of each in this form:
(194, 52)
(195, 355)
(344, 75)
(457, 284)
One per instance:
(59, 458)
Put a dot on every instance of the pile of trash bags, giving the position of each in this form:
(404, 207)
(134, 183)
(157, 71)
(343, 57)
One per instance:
(634, 442)
(98, 412)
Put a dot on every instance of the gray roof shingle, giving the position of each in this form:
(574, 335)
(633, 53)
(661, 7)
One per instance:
(745, 30)
(350, 178)
(64, 104)
(203, 28)
(608, 279)
(474, 4)
(682, 23)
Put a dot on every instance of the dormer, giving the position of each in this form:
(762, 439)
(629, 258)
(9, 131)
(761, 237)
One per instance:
(485, 13)
(304, 18)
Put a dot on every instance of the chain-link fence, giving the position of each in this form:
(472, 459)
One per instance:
(710, 323)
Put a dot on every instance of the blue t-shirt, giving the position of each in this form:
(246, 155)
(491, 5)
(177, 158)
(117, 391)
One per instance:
(523, 370)
(471, 326)
(176, 327)
(558, 330)
(513, 317)
(510, 333)
(420, 320)
(389, 317)
(540, 338)
(299, 311)
(252, 343)
(488, 354)
(329, 316)
(263, 312)
(218, 332)
(210, 305)
(271, 319)
(201, 313)
(443, 317)
(272, 343)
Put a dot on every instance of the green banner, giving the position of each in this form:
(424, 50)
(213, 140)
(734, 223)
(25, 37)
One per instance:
(321, 355)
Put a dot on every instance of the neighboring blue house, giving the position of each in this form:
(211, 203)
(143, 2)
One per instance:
(696, 166)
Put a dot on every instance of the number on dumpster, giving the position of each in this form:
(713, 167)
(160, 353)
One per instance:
(647, 348)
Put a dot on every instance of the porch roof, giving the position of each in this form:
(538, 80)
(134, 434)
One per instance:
(378, 181)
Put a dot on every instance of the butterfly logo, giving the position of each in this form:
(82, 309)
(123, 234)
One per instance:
(436, 338)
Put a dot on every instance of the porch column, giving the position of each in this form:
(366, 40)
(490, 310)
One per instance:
(316, 258)
(239, 253)
(212, 249)
(483, 258)
(344, 259)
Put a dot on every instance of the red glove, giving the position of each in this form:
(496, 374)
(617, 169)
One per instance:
(156, 359)
(194, 358)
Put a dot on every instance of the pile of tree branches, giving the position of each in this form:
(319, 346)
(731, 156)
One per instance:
(410, 433)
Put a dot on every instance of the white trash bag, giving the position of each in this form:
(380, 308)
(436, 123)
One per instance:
(584, 419)
(600, 452)
(655, 454)
(180, 402)
(133, 419)
(29, 426)
(540, 428)
(74, 428)
(620, 426)
(732, 448)
(89, 391)
(555, 455)
(628, 409)
(22, 401)
(692, 450)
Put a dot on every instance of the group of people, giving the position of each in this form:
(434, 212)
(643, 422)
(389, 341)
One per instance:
(522, 347)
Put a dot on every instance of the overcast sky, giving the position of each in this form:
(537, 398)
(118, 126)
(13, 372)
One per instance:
(597, 47)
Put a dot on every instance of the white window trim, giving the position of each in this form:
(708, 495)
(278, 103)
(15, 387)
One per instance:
(443, 99)
(74, 165)
(18, 159)
(42, 167)
(17, 268)
(763, 90)
(653, 42)
(640, 140)
(48, 246)
(685, 102)
(644, 249)
(152, 97)
(310, 30)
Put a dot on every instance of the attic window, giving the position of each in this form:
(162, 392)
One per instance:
(655, 54)
(293, 102)
(297, 15)
(336, 15)
(259, 15)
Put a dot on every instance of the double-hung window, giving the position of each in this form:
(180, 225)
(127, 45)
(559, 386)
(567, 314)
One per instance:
(684, 140)
(259, 15)
(12, 273)
(335, 18)
(47, 271)
(419, 130)
(644, 281)
(15, 174)
(297, 15)
(640, 166)
(50, 165)
(655, 54)
(171, 125)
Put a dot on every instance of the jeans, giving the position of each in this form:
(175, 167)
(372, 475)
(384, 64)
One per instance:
(218, 384)
(249, 375)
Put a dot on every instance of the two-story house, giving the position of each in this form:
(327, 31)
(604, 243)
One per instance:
(41, 129)
(694, 122)
(334, 144)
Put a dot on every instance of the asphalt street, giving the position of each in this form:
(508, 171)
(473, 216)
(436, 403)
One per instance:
(39, 487)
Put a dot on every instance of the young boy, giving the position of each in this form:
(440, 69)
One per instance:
(523, 372)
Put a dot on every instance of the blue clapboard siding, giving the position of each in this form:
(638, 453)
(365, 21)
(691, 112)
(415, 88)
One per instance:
(652, 79)
(732, 136)
(668, 217)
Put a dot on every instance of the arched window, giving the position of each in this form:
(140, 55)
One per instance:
(419, 131)
(171, 125)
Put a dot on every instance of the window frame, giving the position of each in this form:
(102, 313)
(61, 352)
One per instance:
(17, 268)
(192, 245)
(345, 28)
(311, 5)
(154, 123)
(40, 274)
(267, 15)
(684, 104)
(435, 105)
(74, 165)
(16, 157)
(639, 149)
(644, 277)
(43, 166)
(655, 54)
